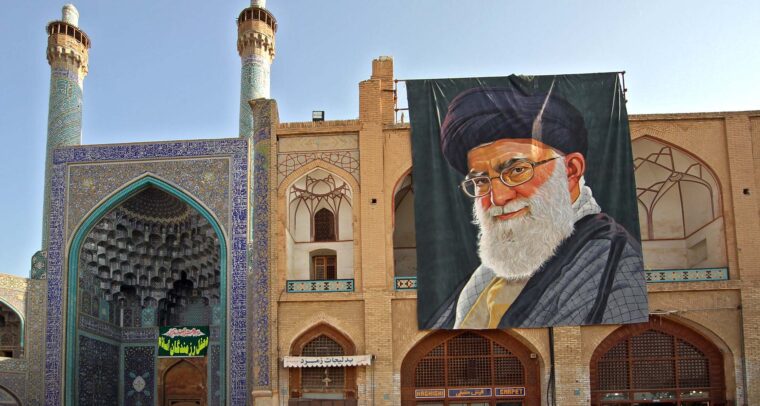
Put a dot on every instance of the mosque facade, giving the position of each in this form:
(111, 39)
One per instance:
(290, 250)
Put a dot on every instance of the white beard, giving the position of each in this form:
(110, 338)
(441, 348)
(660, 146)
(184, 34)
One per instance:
(516, 248)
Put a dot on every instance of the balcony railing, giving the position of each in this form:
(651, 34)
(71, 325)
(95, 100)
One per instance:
(320, 286)
(686, 275)
(651, 275)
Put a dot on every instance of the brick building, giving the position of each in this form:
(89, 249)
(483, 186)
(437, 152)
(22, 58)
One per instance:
(296, 240)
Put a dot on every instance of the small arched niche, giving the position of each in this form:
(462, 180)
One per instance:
(680, 208)
(11, 330)
(320, 219)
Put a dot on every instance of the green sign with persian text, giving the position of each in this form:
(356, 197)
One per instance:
(183, 341)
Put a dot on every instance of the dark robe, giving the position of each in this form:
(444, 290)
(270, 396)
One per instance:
(595, 277)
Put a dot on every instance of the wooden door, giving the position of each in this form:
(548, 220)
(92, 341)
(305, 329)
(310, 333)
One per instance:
(182, 382)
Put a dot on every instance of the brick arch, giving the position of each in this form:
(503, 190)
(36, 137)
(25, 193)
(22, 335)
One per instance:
(296, 349)
(282, 212)
(527, 358)
(646, 134)
(671, 328)
(662, 190)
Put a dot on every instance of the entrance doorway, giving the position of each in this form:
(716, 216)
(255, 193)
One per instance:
(454, 368)
(151, 259)
(660, 362)
(182, 382)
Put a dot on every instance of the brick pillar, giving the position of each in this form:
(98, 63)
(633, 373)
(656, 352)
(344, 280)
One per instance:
(265, 118)
(747, 229)
(741, 168)
(375, 110)
(571, 374)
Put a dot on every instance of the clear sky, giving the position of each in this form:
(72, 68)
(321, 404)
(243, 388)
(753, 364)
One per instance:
(162, 70)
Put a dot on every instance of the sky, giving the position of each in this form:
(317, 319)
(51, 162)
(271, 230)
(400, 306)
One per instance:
(165, 70)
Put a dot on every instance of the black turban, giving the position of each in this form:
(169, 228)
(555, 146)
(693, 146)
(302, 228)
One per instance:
(482, 115)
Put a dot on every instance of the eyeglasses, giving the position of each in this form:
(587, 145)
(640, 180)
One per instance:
(516, 173)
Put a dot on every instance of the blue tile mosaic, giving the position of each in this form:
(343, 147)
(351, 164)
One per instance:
(98, 372)
(64, 126)
(254, 84)
(260, 252)
(237, 150)
(139, 379)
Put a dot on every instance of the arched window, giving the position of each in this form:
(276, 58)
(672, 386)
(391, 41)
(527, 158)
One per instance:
(680, 210)
(404, 238)
(443, 362)
(324, 225)
(337, 383)
(661, 362)
(322, 380)
(319, 208)
(10, 332)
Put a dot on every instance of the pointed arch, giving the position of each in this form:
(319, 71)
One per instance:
(683, 359)
(501, 359)
(680, 206)
(194, 367)
(21, 318)
(673, 170)
(403, 238)
(74, 249)
(328, 334)
(300, 240)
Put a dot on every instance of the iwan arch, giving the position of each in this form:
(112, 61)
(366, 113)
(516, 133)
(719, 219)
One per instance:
(297, 240)
(172, 272)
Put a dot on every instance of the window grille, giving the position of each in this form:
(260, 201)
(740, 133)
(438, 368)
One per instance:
(323, 379)
(324, 225)
(469, 360)
(653, 363)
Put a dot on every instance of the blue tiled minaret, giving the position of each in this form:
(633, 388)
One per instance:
(67, 54)
(256, 29)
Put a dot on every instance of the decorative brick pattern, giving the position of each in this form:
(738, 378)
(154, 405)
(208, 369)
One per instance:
(347, 160)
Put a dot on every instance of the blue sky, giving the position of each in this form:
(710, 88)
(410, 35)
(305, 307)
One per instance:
(162, 70)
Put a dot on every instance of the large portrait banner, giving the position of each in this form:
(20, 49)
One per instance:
(525, 203)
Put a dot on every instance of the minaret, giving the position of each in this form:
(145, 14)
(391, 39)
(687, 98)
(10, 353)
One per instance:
(67, 54)
(256, 29)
